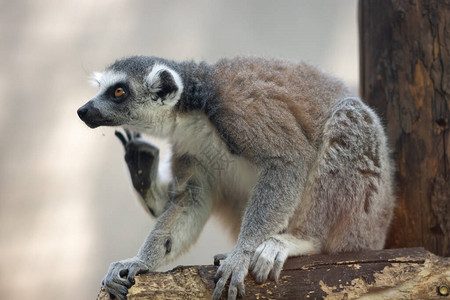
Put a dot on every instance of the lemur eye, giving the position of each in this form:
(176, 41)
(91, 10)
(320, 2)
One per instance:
(119, 92)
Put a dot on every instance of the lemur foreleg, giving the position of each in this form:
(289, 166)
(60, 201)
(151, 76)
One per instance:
(265, 216)
(185, 214)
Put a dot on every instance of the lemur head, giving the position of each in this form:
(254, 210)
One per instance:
(137, 93)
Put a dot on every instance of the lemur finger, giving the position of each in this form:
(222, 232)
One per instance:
(136, 271)
(232, 292)
(218, 258)
(121, 138)
(116, 289)
(236, 285)
(241, 289)
(221, 272)
(123, 281)
(265, 263)
(129, 134)
(122, 296)
(256, 256)
(121, 278)
(219, 287)
(278, 266)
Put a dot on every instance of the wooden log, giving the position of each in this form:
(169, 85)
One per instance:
(412, 273)
(405, 76)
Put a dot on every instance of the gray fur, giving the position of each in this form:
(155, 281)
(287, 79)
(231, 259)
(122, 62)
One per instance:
(291, 162)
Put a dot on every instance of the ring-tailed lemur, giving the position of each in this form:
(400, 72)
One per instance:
(291, 161)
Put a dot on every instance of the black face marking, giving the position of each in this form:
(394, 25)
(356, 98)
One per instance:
(93, 117)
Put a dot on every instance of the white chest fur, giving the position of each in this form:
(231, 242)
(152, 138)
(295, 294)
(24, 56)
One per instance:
(231, 177)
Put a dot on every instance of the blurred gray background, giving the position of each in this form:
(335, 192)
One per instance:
(66, 205)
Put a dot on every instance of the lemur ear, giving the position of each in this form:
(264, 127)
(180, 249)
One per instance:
(164, 83)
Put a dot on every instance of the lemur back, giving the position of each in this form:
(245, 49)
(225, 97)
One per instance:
(273, 103)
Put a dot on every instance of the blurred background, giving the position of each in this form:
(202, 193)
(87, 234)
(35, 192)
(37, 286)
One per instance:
(67, 209)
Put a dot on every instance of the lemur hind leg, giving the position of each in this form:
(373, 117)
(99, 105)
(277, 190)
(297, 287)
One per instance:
(347, 202)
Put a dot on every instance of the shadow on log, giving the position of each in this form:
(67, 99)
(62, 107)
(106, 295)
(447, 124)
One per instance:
(412, 273)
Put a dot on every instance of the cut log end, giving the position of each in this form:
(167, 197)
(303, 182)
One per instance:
(385, 274)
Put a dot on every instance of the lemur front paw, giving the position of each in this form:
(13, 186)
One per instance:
(235, 266)
(268, 260)
(120, 276)
(142, 159)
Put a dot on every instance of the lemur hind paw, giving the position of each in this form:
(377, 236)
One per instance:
(142, 160)
(268, 260)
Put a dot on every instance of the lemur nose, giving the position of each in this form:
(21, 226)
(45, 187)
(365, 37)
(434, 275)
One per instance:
(82, 111)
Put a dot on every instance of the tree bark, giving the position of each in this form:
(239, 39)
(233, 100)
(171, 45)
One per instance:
(405, 76)
(387, 274)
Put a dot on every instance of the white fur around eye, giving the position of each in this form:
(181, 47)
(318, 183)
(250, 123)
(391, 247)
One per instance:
(107, 79)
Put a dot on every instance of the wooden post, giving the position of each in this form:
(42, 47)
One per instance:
(405, 76)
